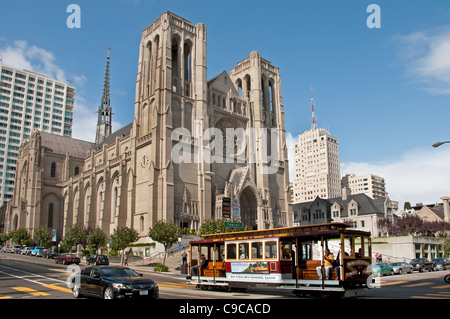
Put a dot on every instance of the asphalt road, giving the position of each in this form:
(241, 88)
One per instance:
(26, 277)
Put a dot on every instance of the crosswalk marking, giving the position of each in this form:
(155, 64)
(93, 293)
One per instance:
(31, 291)
(54, 287)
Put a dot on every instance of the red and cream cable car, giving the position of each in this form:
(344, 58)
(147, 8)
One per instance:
(285, 258)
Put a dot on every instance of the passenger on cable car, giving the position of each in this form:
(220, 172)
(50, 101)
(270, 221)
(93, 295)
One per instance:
(327, 263)
(203, 264)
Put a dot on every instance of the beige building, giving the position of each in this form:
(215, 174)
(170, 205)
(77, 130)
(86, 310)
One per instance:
(369, 184)
(165, 165)
(317, 166)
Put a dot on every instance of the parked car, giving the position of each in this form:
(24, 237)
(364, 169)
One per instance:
(67, 259)
(113, 282)
(26, 251)
(441, 263)
(47, 253)
(97, 260)
(381, 269)
(402, 267)
(422, 264)
(36, 250)
(15, 249)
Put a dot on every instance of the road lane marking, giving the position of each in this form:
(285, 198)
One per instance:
(393, 283)
(429, 297)
(58, 288)
(442, 287)
(4, 297)
(418, 284)
(31, 291)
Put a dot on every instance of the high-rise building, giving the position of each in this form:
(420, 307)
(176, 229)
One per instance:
(317, 166)
(28, 101)
(369, 184)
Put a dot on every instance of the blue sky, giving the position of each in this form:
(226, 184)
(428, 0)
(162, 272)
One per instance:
(384, 93)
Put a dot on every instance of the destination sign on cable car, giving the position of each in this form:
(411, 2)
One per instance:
(226, 207)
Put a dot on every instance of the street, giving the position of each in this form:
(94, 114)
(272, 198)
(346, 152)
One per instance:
(26, 277)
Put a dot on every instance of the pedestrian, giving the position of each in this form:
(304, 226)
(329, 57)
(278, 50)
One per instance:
(125, 258)
(184, 258)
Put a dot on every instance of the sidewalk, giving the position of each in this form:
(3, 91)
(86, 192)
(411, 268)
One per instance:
(144, 268)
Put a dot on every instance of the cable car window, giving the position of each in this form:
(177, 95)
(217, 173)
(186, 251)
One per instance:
(257, 250)
(286, 249)
(349, 246)
(367, 248)
(271, 249)
(231, 251)
(243, 251)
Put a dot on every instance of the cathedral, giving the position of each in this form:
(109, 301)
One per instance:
(196, 149)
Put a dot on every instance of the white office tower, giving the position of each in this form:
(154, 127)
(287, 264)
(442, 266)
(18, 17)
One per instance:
(317, 166)
(28, 101)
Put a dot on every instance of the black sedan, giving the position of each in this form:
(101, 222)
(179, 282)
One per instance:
(422, 264)
(97, 260)
(113, 282)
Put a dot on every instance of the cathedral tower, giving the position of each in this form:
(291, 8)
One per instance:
(104, 111)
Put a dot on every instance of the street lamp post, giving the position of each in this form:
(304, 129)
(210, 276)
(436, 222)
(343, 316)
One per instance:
(439, 144)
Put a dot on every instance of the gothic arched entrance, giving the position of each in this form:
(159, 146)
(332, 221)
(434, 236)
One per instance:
(248, 208)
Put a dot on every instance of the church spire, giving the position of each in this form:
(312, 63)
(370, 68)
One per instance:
(104, 111)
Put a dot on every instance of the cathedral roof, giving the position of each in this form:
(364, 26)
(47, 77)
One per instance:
(63, 145)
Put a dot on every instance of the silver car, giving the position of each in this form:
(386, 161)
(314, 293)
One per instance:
(402, 267)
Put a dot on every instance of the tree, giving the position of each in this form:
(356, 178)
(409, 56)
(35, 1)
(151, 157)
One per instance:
(214, 226)
(95, 240)
(73, 237)
(166, 234)
(122, 237)
(446, 247)
(42, 236)
(20, 236)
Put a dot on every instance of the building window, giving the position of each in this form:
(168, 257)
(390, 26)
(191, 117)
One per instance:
(77, 171)
(53, 170)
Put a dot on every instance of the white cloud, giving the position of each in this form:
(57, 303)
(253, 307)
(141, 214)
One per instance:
(420, 175)
(425, 54)
(30, 57)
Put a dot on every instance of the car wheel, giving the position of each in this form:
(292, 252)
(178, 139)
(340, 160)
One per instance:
(76, 292)
(400, 271)
(108, 293)
(392, 273)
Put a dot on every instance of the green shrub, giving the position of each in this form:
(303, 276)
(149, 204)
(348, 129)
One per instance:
(161, 268)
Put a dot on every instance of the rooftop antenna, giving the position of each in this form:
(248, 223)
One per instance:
(313, 124)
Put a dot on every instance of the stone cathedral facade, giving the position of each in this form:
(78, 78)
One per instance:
(165, 165)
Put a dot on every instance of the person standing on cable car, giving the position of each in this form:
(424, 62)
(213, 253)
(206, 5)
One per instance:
(327, 264)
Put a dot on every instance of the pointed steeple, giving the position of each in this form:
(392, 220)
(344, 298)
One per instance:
(104, 128)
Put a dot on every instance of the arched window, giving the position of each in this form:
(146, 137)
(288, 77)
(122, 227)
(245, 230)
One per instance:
(77, 171)
(50, 215)
(53, 170)
(141, 223)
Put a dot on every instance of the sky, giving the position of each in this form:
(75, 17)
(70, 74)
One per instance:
(382, 91)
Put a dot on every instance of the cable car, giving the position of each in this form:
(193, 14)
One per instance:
(286, 258)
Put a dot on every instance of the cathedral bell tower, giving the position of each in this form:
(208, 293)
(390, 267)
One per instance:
(171, 94)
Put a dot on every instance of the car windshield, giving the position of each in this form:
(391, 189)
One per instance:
(119, 272)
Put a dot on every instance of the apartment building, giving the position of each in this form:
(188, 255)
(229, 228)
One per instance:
(28, 101)
(317, 166)
(369, 184)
